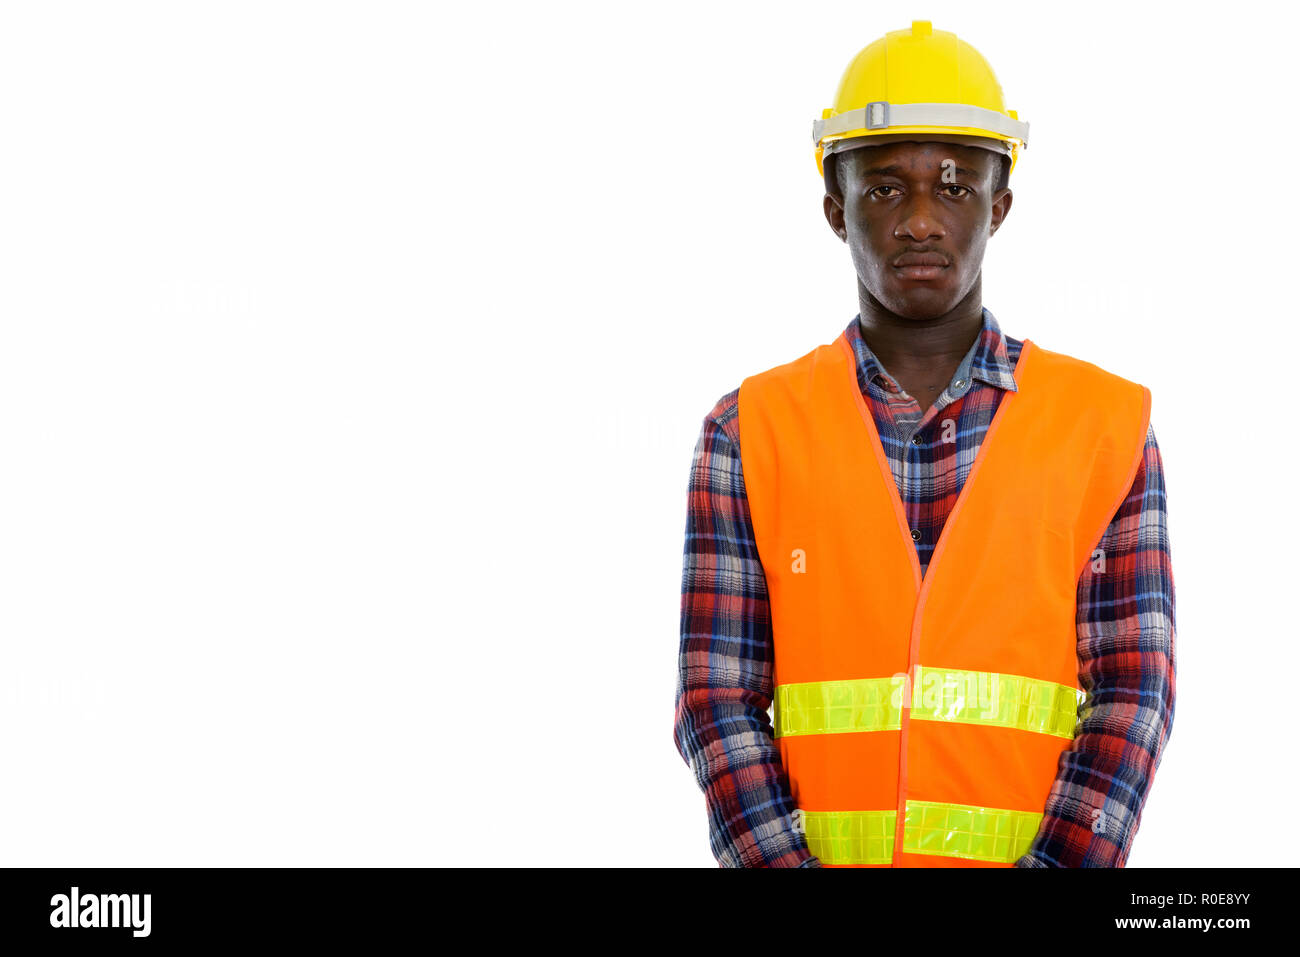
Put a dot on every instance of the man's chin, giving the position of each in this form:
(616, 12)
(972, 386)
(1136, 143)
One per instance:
(918, 304)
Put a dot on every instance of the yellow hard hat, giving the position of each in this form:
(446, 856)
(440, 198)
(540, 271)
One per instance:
(919, 80)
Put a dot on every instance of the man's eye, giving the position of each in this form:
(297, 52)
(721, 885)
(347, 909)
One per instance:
(963, 189)
(877, 189)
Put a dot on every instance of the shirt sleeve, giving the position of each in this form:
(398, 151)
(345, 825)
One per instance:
(1126, 628)
(725, 664)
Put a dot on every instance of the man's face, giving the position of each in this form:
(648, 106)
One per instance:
(916, 217)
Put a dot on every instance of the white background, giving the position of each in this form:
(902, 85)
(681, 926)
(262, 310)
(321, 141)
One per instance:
(352, 357)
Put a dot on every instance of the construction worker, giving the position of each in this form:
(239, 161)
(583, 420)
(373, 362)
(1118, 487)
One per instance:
(927, 600)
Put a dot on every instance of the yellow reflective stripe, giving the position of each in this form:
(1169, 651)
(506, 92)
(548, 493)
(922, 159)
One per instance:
(859, 838)
(850, 837)
(940, 694)
(1002, 701)
(830, 707)
(975, 833)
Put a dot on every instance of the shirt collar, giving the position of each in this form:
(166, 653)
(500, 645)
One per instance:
(986, 360)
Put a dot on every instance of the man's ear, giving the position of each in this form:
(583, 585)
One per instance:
(833, 203)
(1001, 206)
(833, 207)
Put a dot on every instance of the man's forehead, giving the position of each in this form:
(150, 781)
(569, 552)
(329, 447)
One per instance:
(923, 151)
(919, 158)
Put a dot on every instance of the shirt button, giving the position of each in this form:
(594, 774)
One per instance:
(916, 535)
(960, 383)
(916, 439)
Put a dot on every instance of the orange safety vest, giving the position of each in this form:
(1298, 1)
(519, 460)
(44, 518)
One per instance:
(921, 722)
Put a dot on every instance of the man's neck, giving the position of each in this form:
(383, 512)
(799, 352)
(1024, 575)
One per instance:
(917, 345)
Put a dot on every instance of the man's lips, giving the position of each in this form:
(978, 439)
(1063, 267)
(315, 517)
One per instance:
(921, 259)
(921, 266)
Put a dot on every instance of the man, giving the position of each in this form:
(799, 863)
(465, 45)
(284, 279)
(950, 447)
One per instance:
(937, 552)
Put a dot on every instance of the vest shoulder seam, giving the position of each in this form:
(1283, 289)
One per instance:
(1065, 359)
(793, 367)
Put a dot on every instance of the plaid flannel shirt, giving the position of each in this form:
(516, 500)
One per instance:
(1125, 624)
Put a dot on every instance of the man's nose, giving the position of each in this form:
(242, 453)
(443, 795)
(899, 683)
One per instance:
(919, 221)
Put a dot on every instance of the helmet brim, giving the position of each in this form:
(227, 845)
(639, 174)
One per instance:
(856, 142)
